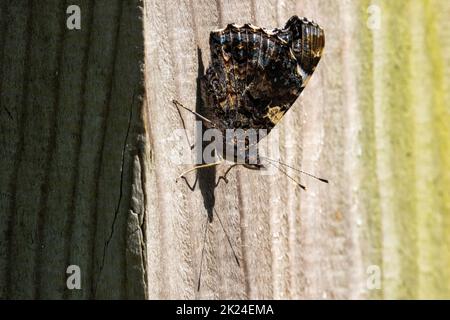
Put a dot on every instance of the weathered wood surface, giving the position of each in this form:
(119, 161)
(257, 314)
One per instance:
(66, 98)
(292, 244)
(86, 173)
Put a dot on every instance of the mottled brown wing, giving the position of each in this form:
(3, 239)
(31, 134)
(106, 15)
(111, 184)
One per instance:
(256, 74)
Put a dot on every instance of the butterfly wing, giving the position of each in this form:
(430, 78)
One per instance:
(256, 74)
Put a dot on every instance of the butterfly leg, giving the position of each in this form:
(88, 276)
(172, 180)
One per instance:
(207, 165)
(224, 176)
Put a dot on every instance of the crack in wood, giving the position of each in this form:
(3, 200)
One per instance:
(105, 248)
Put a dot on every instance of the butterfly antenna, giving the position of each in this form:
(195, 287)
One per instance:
(298, 170)
(228, 238)
(203, 253)
(178, 104)
(287, 175)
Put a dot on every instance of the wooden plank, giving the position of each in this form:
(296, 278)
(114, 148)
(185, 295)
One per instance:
(294, 244)
(64, 156)
(90, 153)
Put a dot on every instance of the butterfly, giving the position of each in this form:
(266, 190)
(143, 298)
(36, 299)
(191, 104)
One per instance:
(254, 78)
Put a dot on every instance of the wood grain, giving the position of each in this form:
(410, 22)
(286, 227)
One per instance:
(345, 126)
(89, 156)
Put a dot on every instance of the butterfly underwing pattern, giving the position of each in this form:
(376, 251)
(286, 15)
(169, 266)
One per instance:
(256, 74)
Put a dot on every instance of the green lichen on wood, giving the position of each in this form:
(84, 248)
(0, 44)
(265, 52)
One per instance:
(400, 126)
(405, 140)
(371, 232)
(438, 50)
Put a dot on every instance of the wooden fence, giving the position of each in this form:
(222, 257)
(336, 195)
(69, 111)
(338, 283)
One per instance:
(89, 156)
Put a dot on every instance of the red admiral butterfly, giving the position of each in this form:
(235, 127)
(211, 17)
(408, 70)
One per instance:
(255, 76)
